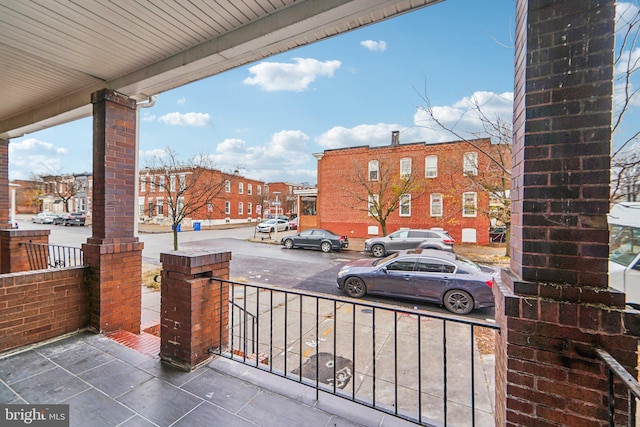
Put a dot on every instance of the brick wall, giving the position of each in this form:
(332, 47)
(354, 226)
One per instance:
(342, 196)
(39, 305)
(13, 254)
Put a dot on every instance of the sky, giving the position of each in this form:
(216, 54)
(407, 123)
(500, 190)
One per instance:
(268, 118)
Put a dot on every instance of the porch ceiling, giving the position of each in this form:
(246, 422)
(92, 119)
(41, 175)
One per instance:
(53, 55)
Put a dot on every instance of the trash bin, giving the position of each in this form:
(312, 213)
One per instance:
(178, 228)
(196, 226)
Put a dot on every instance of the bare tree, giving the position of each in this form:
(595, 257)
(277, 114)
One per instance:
(380, 195)
(62, 186)
(625, 161)
(187, 187)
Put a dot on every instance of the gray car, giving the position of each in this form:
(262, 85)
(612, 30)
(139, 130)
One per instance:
(409, 239)
(422, 274)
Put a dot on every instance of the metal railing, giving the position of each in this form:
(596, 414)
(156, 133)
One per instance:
(631, 386)
(43, 256)
(422, 367)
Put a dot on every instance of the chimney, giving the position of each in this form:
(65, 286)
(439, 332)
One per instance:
(395, 137)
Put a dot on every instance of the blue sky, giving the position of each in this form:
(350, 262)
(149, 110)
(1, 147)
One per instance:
(269, 117)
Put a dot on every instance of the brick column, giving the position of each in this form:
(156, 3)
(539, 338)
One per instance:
(193, 309)
(5, 201)
(554, 306)
(13, 254)
(113, 252)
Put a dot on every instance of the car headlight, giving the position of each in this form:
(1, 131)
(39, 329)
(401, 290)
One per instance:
(343, 272)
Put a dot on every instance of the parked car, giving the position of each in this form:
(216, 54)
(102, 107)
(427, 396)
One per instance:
(43, 218)
(269, 226)
(293, 224)
(409, 239)
(422, 274)
(75, 218)
(59, 219)
(316, 238)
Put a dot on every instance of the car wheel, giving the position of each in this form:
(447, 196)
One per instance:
(355, 287)
(288, 244)
(286, 229)
(378, 251)
(325, 247)
(458, 302)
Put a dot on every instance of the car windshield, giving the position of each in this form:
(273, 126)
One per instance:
(624, 245)
(468, 263)
(385, 259)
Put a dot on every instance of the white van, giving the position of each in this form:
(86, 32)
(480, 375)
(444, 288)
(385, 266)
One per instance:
(624, 250)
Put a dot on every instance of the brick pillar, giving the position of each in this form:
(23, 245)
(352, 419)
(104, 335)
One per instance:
(554, 306)
(13, 254)
(5, 200)
(193, 309)
(113, 252)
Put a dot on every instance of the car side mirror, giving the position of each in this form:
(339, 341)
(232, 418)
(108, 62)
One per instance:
(384, 270)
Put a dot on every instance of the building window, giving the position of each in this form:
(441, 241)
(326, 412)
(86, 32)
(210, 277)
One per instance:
(241, 188)
(172, 183)
(259, 190)
(249, 207)
(469, 204)
(240, 208)
(405, 167)
(152, 184)
(143, 183)
(431, 166)
(161, 183)
(183, 182)
(373, 170)
(249, 189)
(227, 208)
(159, 206)
(405, 205)
(470, 166)
(373, 204)
(227, 186)
(436, 204)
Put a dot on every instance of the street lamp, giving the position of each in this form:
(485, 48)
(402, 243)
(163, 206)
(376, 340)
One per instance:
(276, 204)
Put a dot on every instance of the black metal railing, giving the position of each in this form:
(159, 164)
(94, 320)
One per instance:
(631, 387)
(422, 367)
(43, 256)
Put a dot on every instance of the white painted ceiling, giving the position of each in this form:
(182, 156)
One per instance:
(55, 53)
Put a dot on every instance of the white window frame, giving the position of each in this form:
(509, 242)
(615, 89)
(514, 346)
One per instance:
(249, 207)
(227, 186)
(183, 182)
(470, 210)
(143, 183)
(227, 207)
(240, 208)
(249, 189)
(405, 167)
(435, 209)
(405, 205)
(159, 206)
(161, 183)
(259, 190)
(172, 183)
(374, 167)
(152, 184)
(431, 167)
(372, 203)
(241, 188)
(470, 163)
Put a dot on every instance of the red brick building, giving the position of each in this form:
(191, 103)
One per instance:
(441, 185)
(287, 198)
(214, 196)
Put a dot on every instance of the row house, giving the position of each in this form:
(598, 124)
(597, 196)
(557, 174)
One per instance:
(54, 193)
(207, 196)
(451, 186)
(281, 197)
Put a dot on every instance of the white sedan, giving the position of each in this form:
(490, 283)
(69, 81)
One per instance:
(269, 226)
(43, 218)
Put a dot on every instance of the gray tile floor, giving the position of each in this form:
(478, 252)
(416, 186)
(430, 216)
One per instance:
(107, 384)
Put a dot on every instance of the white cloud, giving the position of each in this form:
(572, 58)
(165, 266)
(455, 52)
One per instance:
(147, 117)
(154, 153)
(374, 46)
(461, 117)
(33, 157)
(296, 77)
(186, 119)
(284, 157)
(181, 101)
